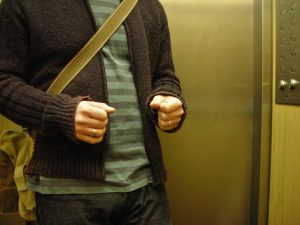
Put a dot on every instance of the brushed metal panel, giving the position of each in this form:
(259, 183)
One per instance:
(210, 160)
(285, 163)
(288, 51)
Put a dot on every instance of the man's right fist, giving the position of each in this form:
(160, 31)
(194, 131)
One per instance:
(91, 119)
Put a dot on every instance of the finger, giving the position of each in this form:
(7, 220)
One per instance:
(108, 109)
(90, 122)
(169, 123)
(156, 101)
(97, 113)
(170, 104)
(87, 110)
(89, 139)
(89, 131)
(169, 127)
(171, 115)
(92, 132)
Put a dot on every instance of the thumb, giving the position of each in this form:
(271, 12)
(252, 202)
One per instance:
(108, 109)
(156, 101)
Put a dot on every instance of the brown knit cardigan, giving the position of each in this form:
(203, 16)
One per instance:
(37, 39)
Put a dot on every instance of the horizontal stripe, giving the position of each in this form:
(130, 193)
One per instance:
(116, 56)
(119, 51)
(122, 87)
(120, 78)
(111, 158)
(130, 103)
(122, 92)
(122, 45)
(127, 165)
(124, 125)
(118, 65)
(127, 154)
(87, 187)
(119, 36)
(126, 98)
(135, 131)
(126, 179)
(118, 72)
(122, 51)
(128, 85)
(103, 3)
(124, 105)
(130, 182)
(100, 12)
(125, 118)
(117, 43)
(126, 139)
(125, 145)
(46, 181)
(125, 112)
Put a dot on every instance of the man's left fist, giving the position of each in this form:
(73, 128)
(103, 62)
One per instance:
(169, 110)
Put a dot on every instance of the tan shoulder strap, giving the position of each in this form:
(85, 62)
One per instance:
(91, 48)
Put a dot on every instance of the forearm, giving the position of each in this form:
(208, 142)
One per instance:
(35, 109)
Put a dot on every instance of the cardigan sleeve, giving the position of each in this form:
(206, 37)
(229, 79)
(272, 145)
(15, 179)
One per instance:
(165, 82)
(19, 101)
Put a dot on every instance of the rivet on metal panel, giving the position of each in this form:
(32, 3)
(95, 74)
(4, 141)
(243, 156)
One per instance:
(283, 27)
(282, 84)
(293, 68)
(294, 53)
(294, 7)
(282, 69)
(282, 2)
(283, 13)
(294, 37)
(293, 84)
(294, 22)
(283, 56)
(283, 41)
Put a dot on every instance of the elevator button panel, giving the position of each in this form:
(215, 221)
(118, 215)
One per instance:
(288, 52)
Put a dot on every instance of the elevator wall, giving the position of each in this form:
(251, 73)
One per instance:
(210, 161)
(285, 163)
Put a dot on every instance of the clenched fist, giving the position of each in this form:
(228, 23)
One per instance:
(91, 119)
(169, 110)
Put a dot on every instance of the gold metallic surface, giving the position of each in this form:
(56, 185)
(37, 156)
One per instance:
(266, 111)
(210, 160)
(285, 162)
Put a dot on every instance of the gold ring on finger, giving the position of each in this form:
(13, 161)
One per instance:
(169, 122)
(93, 133)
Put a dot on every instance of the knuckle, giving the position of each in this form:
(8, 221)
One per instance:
(103, 113)
(102, 125)
(161, 124)
(181, 112)
(105, 122)
(163, 116)
(101, 132)
(100, 139)
(179, 103)
(80, 119)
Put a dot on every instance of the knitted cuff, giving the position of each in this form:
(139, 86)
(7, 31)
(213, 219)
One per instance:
(60, 114)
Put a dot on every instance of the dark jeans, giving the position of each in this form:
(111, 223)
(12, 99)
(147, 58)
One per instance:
(145, 206)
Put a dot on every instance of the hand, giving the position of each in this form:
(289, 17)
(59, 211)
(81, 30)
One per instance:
(91, 119)
(169, 110)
